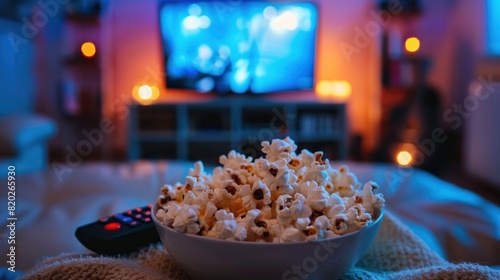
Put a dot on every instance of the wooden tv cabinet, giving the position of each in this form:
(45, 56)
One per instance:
(206, 130)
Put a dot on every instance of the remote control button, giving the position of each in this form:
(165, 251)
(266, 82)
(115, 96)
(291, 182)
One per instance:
(112, 226)
(138, 209)
(133, 224)
(104, 220)
(122, 218)
(148, 213)
(145, 220)
(129, 213)
(138, 216)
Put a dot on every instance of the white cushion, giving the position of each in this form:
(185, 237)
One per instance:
(20, 131)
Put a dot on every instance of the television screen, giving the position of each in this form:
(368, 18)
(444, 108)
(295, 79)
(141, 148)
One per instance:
(238, 47)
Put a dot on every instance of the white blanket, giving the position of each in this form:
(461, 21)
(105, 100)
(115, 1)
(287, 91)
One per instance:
(455, 223)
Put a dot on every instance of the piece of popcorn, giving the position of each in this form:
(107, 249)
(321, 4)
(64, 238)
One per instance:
(299, 208)
(347, 182)
(179, 192)
(311, 233)
(317, 198)
(356, 198)
(210, 209)
(321, 223)
(302, 223)
(288, 209)
(308, 231)
(234, 160)
(296, 164)
(261, 165)
(328, 234)
(333, 173)
(336, 207)
(305, 186)
(307, 158)
(248, 219)
(160, 214)
(168, 191)
(204, 197)
(358, 217)
(206, 216)
(266, 212)
(226, 227)
(218, 176)
(198, 170)
(329, 186)
(317, 173)
(279, 149)
(186, 220)
(240, 233)
(268, 171)
(238, 177)
(278, 177)
(171, 212)
(255, 197)
(195, 184)
(261, 227)
(290, 234)
(339, 224)
(372, 201)
(226, 194)
(344, 191)
(189, 198)
(252, 179)
(283, 212)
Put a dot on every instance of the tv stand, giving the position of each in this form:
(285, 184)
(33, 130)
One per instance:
(206, 130)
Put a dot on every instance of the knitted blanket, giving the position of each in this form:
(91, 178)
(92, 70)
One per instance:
(396, 253)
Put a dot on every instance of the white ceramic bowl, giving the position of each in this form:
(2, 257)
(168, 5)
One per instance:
(208, 258)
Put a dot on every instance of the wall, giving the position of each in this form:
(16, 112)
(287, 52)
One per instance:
(132, 55)
(453, 36)
(17, 75)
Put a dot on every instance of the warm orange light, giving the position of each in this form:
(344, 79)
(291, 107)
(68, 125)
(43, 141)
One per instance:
(333, 89)
(145, 94)
(412, 44)
(88, 49)
(341, 89)
(323, 88)
(404, 158)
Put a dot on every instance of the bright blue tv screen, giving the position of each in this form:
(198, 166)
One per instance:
(238, 47)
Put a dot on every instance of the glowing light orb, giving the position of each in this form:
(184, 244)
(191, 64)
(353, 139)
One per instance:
(88, 49)
(404, 158)
(145, 94)
(334, 89)
(412, 44)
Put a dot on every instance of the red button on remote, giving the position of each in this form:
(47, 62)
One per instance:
(112, 226)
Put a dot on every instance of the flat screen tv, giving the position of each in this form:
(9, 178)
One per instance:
(238, 47)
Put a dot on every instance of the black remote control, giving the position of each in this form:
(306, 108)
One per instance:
(121, 233)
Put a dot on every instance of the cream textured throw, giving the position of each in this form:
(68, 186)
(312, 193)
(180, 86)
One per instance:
(397, 253)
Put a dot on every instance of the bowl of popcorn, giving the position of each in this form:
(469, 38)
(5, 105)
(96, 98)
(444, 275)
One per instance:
(287, 215)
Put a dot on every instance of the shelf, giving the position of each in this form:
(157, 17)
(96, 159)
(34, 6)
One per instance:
(262, 133)
(208, 152)
(336, 136)
(209, 136)
(204, 131)
(157, 136)
(155, 150)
